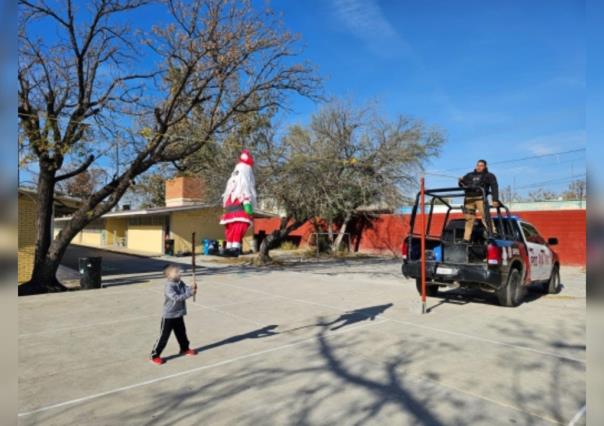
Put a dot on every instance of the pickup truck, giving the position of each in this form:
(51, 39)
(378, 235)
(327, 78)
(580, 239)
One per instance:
(504, 262)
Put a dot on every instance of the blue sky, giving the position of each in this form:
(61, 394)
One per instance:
(595, 97)
(504, 80)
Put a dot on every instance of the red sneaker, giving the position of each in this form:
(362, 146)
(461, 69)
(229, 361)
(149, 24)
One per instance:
(158, 360)
(190, 352)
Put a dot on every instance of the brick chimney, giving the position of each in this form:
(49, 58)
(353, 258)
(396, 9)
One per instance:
(184, 191)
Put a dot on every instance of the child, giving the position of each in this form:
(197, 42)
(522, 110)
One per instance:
(176, 292)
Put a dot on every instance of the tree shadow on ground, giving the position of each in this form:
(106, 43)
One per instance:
(563, 368)
(337, 374)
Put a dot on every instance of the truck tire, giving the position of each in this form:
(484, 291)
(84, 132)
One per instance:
(552, 286)
(431, 290)
(512, 293)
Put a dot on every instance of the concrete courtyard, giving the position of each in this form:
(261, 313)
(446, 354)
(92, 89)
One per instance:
(318, 343)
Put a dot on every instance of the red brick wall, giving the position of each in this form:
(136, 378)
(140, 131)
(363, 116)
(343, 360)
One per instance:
(386, 233)
(184, 187)
(568, 226)
(272, 224)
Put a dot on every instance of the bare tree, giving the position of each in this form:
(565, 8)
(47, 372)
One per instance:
(577, 190)
(542, 194)
(345, 159)
(508, 195)
(77, 86)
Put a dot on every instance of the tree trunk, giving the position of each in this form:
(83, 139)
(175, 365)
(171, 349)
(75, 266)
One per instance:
(43, 277)
(358, 233)
(275, 238)
(330, 231)
(49, 251)
(341, 233)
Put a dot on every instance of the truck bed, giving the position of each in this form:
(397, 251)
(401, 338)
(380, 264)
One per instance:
(451, 246)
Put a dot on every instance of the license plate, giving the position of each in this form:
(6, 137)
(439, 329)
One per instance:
(441, 270)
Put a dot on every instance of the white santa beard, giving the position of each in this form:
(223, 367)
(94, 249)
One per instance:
(241, 186)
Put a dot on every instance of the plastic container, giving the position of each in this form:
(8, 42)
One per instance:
(438, 253)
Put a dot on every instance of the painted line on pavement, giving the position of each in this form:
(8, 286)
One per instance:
(578, 416)
(439, 330)
(190, 371)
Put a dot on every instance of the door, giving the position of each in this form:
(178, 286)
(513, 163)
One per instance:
(540, 256)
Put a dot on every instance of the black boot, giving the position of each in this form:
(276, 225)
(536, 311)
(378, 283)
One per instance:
(231, 252)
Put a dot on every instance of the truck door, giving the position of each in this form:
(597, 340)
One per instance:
(540, 256)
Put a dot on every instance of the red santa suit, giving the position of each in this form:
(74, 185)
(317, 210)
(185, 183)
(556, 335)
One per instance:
(239, 200)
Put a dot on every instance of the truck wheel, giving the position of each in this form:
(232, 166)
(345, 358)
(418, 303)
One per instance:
(513, 292)
(552, 286)
(431, 290)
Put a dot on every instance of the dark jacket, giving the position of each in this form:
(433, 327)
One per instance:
(486, 180)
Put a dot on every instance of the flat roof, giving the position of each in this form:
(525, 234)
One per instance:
(165, 210)
(58, 197)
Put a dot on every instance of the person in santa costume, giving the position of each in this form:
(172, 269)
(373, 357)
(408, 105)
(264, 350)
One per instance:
(239, 200)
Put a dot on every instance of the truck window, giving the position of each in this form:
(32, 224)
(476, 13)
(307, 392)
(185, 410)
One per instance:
(531, 234)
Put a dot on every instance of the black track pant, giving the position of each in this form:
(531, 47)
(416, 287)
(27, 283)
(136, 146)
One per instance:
(167, 325)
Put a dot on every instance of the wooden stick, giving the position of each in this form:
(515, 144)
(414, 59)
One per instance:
(193, 262)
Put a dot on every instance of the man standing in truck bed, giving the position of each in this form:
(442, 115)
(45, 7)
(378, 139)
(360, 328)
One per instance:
(480, 177)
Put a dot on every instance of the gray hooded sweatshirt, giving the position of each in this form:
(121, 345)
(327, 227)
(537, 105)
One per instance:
(175, 296)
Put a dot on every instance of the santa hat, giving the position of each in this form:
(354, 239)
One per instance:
(246, 157)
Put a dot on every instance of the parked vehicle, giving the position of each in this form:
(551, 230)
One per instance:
(504, 262)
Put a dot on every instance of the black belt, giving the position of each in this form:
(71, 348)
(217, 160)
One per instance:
(234, 208)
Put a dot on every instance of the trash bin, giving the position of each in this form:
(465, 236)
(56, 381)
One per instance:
(169, 247)
(90, 272)
(206, 247)
(214, 247)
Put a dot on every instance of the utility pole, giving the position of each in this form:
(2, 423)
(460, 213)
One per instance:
(513, 191)
(423, 242)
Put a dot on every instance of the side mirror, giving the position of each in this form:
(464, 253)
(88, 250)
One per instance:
(552, 241)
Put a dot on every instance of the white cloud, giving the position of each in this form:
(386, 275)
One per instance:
(366, 20)
(555, 142)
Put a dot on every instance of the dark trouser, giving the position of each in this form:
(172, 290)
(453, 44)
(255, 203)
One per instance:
(167, 325)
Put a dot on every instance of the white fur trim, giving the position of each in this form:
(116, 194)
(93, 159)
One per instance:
(236, 245)
(235, 219)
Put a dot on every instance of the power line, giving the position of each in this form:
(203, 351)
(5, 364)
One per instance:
(551, 181)
(515, 160)
(539, 156)
(440, 175)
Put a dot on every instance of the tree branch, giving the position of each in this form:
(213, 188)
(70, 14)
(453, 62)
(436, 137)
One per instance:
(77, 171)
